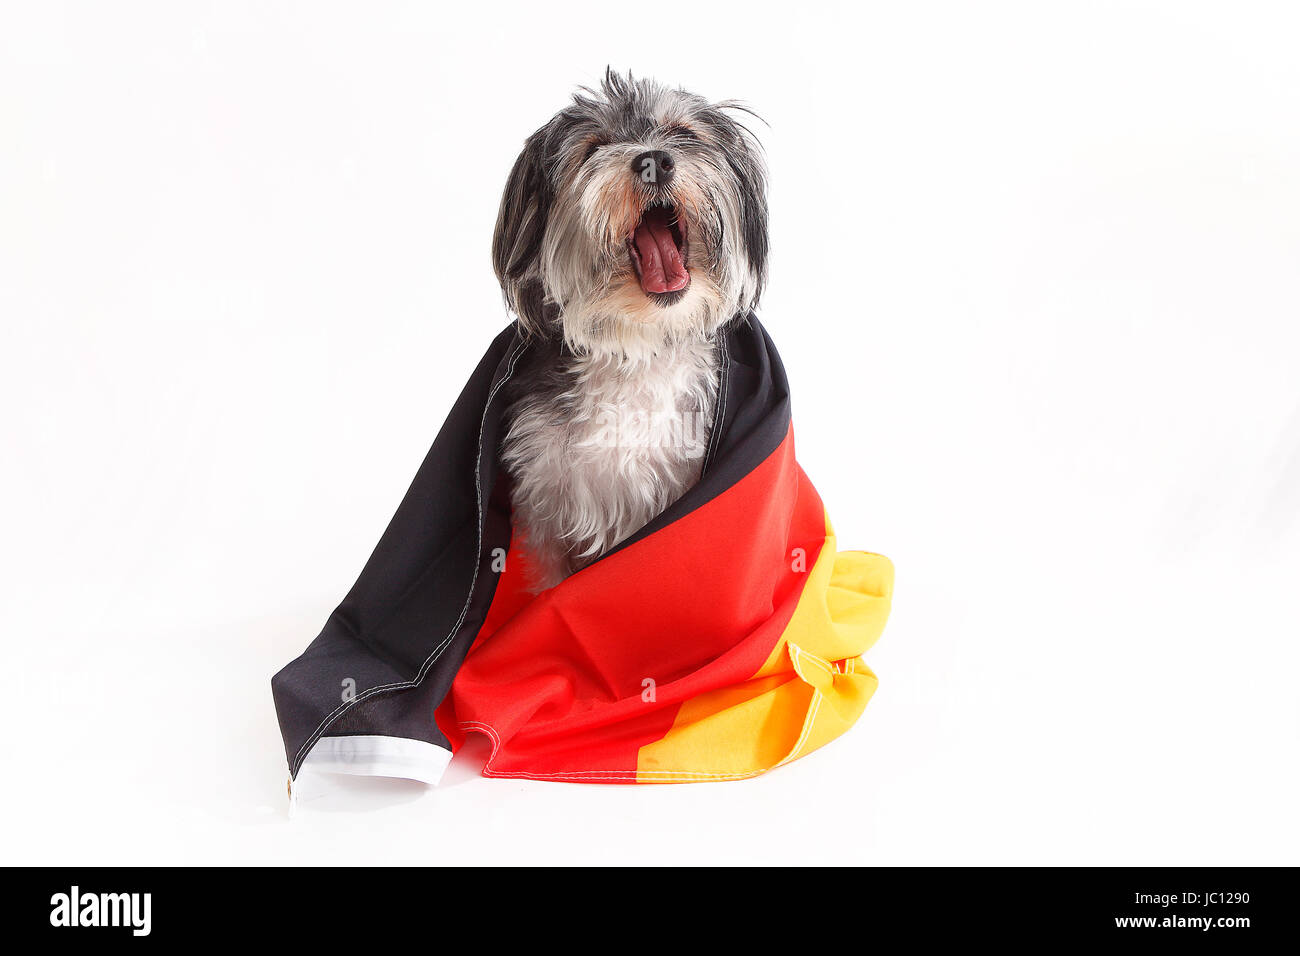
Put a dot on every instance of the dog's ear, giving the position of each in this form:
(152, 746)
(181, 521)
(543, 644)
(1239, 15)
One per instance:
(521, 224)
(753, 223)
(751, 176)
(749, 170)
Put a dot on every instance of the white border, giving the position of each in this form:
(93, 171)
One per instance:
(377, 756)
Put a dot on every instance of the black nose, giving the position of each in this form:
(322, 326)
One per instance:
(654, 166)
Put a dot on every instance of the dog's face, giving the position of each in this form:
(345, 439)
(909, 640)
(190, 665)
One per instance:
(636, 216)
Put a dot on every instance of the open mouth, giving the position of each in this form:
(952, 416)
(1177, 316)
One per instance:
(658, 250)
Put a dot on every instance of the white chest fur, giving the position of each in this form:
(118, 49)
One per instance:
(599, 449)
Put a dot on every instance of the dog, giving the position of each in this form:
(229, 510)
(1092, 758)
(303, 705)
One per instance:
(632, 229)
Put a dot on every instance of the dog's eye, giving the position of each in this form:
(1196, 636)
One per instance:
(680, 132)
(591, 150)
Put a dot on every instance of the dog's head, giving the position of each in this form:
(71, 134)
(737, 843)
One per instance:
(637, 216)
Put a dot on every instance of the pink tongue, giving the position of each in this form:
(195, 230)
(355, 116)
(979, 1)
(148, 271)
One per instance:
(662, 269)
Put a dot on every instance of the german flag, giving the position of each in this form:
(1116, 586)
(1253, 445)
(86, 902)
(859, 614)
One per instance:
(724, 639)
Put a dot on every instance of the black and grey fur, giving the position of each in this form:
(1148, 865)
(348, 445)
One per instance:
(611, 417)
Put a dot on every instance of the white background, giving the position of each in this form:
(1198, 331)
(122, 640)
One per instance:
(1035, 282)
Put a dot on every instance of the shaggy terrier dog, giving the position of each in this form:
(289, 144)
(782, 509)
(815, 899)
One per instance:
(633, 228)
